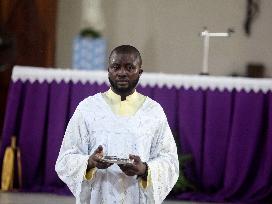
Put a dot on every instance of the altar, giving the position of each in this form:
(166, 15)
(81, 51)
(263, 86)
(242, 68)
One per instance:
(225, 123)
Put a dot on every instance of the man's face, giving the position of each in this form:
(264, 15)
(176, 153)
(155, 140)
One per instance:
(124, 72)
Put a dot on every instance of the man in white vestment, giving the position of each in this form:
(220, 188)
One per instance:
(123, 123)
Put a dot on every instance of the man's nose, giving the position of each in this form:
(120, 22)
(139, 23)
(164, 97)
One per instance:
(122, 71)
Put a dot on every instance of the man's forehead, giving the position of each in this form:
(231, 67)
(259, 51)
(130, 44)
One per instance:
(121, 57)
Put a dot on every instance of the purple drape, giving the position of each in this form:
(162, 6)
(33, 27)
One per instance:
(228, 134)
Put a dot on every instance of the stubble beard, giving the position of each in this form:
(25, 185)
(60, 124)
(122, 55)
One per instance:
(124, 90)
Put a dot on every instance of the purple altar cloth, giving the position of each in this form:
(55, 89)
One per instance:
(228, 133)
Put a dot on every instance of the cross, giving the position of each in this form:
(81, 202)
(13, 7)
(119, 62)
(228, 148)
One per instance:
(206, 36)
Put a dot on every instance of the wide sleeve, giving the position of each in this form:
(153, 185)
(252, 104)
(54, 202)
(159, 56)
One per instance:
(73, 157)
(163, 164)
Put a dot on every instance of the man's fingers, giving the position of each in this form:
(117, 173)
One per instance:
(130, 172)
(98, 150)
(94, 163)
(136, 158)
(129, 169)
(96, 158)
(103, 165)
(123, 167)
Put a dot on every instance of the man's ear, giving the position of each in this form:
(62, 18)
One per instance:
(141, 71)
(108, 72)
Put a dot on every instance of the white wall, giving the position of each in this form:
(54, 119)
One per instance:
(68, 26)
(166, 33)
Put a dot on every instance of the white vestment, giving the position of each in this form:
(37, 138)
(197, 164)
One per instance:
(146, 134)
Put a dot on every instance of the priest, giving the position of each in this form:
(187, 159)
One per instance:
(126, 125)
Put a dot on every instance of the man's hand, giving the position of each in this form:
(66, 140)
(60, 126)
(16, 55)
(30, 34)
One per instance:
(95, 159)
(136, 168)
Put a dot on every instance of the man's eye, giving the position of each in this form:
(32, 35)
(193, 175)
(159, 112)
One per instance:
(114, 66)
(130, 67)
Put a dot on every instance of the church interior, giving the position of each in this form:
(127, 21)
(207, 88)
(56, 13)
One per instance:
(207, 63)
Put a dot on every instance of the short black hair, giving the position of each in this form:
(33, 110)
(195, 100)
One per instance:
(127, 49)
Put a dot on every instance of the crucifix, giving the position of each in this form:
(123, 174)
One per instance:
(206, 40)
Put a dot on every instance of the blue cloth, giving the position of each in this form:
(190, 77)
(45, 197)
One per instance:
(89, 54)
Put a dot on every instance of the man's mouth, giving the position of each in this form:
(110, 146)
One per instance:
(122, 81)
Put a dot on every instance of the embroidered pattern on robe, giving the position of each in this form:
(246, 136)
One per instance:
(146, 134)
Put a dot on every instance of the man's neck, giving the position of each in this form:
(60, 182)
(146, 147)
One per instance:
(123, 95)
